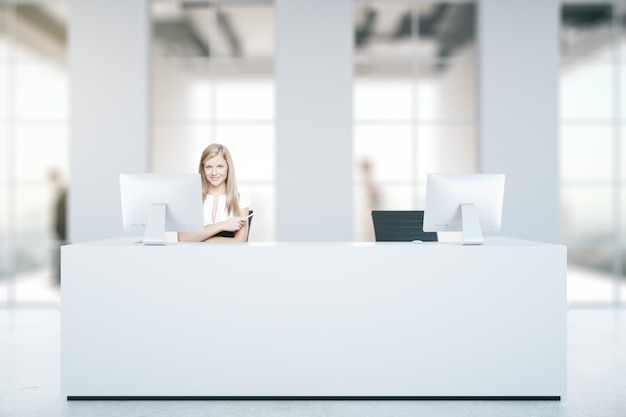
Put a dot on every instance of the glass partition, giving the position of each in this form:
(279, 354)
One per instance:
(592, 154)
(34, 149)
(213, 82)
(414, 101)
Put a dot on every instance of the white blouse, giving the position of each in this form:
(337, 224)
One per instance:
(221, 213)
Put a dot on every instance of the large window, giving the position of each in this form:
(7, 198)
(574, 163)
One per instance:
(593, 149)
(33, 149)
(414, 101)
(213, 81)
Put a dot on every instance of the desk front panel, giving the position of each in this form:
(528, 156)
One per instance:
(314, 319)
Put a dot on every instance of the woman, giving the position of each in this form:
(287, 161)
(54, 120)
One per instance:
(225, 210)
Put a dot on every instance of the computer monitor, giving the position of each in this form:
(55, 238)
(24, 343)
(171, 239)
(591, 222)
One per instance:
(155, 203)
(468, 203)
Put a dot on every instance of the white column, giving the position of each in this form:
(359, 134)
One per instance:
(518, 81)
(109, 56)
(314, 68)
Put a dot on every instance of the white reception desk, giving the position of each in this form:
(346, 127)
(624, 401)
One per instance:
(314, 320)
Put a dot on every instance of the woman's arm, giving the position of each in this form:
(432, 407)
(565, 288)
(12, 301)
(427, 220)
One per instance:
(237, 224)
(231, 225)
(241, 234)
(207, 232)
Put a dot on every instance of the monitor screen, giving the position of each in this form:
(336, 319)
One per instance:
(468, 203)
(155, 203)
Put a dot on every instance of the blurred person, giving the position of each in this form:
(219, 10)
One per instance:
(225, 209)
(372, 198)
(59, 221)
(373, 195)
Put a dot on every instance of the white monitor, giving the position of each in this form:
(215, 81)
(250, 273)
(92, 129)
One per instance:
(155, 203)
(468, 203)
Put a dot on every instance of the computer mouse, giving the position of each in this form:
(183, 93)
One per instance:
(417, 241)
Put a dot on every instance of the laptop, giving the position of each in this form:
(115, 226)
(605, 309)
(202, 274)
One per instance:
(400, 226)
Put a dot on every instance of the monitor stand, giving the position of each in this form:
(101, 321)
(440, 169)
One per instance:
(155, 226)
(472, 232)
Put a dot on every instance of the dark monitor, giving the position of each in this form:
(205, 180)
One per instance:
(400, 226)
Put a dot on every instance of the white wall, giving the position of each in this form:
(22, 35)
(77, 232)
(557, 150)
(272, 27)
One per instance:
(314, 67)
(518, 133)
(108, 52)
(518, 76)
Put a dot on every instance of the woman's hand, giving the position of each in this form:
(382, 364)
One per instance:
(234, 223)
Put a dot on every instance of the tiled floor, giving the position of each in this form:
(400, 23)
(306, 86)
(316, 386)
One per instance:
(30, 387)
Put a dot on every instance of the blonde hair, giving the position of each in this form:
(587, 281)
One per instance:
(232, 195)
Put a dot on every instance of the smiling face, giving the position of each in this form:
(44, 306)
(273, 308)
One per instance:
(216, 171)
